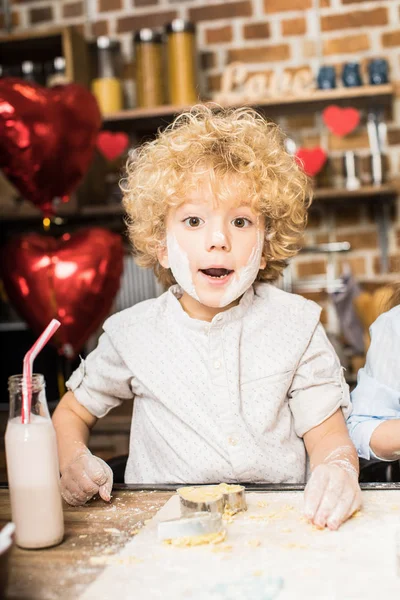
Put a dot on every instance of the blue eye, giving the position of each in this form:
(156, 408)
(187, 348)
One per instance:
(193, 222)
(241, 222)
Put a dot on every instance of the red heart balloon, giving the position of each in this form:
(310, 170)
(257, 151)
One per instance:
(112, 145)
(341, 121)
(311, 159)
(73, 279)
(47, 138)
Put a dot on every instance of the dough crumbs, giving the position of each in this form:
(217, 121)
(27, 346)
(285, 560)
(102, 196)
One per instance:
(259, 517)
(84, 535)
(262, 504)
(395, 507)
(357, 514)
(229, 488)
(208, 493)
(135, 531)
(197, 540)
(254, 543)
(227, 520)
(228, 515)
(222, 548)
(273, 516)
(293, 546)
(113, 530)
(304, 519)
(114, 560)
(286, 530)
(258, 573)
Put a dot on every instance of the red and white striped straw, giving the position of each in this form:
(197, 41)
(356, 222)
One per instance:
(28, 365)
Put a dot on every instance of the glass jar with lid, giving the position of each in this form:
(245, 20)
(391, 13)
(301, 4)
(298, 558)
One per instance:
(181, 56)
(107, 86)
(148, 46)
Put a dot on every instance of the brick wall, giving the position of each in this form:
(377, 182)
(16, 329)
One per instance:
(272, 35)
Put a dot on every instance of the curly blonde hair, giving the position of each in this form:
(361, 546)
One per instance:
(217, 142)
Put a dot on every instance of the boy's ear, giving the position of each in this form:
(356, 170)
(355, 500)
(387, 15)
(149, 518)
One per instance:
(162, 256)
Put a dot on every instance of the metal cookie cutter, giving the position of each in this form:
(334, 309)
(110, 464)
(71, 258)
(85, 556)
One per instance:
(220, 498)
(195, 524)
(234, 497)
(212, 500)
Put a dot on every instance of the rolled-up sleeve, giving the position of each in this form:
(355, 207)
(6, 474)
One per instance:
(376, 398)
(102, 381)
(373, 403)
(318, 388)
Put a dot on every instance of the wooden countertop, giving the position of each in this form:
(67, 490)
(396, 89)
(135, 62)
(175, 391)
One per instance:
(95, 530)
(93, 533)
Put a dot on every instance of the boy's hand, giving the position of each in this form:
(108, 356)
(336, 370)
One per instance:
(332, 495)
(86, 476)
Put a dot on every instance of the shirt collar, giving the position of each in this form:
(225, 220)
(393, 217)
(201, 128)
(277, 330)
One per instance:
(235, 313)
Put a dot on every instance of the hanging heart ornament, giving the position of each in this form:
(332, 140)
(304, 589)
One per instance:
(47, 138)
(73, 279)
(341, 121)
(311, 160)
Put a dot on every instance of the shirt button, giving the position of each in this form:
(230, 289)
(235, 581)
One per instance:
(232, 441)
(219, 317)
(217, 364)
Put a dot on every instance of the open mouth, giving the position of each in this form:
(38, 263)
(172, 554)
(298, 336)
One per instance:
(216, 273)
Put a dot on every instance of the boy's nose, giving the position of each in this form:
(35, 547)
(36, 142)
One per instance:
(218, 239)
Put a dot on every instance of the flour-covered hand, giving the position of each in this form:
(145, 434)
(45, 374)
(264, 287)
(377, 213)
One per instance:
(86, 476)
(332, 494)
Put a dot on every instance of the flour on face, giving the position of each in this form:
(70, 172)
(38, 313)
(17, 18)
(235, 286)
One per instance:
(180, 266)
(246, 276)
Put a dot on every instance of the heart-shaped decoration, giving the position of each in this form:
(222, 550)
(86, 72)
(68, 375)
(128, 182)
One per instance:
(73, 279)
(112, 145)
(311, 159)
(341, 121)
(47, 138)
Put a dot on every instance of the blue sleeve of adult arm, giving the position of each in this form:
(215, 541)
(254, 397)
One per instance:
(372, 403)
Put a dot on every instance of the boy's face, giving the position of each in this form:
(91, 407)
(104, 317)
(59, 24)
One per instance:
(214, 250)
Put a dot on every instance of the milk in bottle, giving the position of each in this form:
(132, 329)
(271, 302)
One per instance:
(32, 468)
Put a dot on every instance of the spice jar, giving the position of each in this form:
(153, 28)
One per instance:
(181, 56)
(56, 72)
(107, 87)
(32, 71)
(148, 47)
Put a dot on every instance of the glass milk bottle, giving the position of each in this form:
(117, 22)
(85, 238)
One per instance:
(32, 468)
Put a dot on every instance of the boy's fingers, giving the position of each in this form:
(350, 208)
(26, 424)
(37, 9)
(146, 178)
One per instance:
(86, 484)
(73, 494)
(84, 478)
(314, 492)
(335, 498)
(95, 469)
(66, 495)
(342, 510)
(357, 502)
(105, 490)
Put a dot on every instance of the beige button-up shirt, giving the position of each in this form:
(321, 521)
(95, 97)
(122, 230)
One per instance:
(223, 401)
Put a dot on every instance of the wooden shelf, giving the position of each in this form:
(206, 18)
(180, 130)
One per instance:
(312, 98)
(28, 212)
(370, 191)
